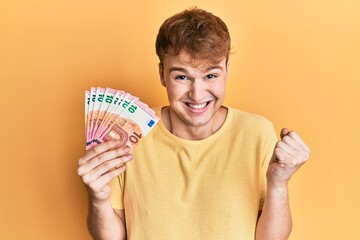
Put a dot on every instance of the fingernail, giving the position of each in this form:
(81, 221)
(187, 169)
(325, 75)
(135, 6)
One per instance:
(128, 157)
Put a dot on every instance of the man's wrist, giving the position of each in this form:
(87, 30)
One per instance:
(98, 203)
(277, 187)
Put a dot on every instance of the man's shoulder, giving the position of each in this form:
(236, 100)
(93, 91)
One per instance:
(248, 118)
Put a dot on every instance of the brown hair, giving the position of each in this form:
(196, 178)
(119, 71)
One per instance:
(201, 34)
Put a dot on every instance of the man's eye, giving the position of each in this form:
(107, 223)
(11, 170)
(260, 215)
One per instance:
(181, 77)
(210, 76)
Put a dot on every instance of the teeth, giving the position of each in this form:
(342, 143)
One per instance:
(197, 106)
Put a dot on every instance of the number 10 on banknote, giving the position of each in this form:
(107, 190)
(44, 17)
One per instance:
(115, 114)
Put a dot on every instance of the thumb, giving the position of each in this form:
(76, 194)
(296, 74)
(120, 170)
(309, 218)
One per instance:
(284, 132)
(273, 158)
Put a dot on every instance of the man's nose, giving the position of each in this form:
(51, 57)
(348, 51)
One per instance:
(197, 89)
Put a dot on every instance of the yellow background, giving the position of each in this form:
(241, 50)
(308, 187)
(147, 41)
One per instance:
(295, 62)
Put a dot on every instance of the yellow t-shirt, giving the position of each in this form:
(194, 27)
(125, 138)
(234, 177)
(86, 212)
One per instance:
(176, 189)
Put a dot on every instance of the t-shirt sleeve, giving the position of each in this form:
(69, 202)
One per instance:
(117, 192)
(269, 143)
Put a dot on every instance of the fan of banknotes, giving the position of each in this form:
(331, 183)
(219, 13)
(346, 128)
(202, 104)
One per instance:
(115, 114)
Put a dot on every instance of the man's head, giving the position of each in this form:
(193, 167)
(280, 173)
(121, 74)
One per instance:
(200, 34)
(193, 47)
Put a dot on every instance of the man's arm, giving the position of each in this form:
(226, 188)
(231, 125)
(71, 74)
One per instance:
(104, 222)
(289, 154)
(97, 168)
(275, 219)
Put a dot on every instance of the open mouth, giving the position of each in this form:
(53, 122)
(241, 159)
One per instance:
(198, 106)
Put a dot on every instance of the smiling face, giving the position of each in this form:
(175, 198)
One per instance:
(195, 89)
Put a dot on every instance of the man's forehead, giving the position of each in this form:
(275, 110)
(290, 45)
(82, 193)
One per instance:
(187, 60)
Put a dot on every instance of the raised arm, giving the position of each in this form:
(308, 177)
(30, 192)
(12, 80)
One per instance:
(289, 154)
(97, 168)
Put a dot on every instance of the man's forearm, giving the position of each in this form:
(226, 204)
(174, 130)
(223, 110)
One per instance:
(104, 223)
(275, 221)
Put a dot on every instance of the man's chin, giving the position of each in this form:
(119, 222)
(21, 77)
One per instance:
(198, 122)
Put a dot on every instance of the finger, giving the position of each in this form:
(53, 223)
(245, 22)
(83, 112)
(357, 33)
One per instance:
(287, 148)
(105, 179)
(299, 140)
(297, 156)
(292, 158)
(281, 156)
(110, 165)
(284, 132)
(103, 147)
(292, 143)
(100, 159)
(104, 168)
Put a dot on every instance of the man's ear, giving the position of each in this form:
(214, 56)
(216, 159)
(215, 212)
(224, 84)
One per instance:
(227, 68)
(161, 74)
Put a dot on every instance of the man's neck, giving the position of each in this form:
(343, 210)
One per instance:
(188, 132)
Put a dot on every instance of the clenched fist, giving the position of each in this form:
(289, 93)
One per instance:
(290, 154)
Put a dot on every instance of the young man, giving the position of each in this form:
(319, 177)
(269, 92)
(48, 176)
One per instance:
(206, 171)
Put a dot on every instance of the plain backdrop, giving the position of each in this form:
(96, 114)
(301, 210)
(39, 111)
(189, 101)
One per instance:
(295, 62)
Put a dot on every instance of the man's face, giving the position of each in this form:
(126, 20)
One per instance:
(196, 89)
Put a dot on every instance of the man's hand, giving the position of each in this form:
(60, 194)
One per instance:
(99, 166)
(290, 154)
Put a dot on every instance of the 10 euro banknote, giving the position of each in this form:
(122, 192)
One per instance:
(115, 114)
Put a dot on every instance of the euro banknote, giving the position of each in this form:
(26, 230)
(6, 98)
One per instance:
(116, 114)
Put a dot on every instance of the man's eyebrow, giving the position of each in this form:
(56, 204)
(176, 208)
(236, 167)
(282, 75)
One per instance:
(214, 67)
(180, 69)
